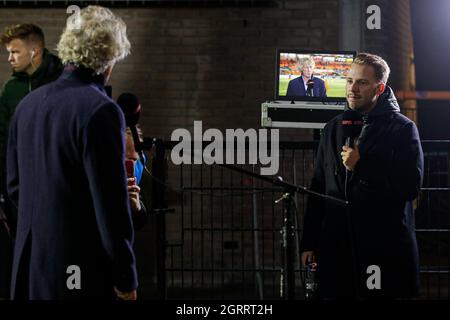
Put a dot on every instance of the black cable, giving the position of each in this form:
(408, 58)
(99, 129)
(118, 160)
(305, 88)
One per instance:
(351, 239)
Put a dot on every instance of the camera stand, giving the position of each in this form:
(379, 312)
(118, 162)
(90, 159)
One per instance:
(287, 279)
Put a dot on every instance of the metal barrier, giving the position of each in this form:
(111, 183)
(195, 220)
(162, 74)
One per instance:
(433, 221)
(224, 239)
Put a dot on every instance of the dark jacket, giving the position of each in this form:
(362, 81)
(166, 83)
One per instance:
(386, 179)
(13, 92)
(296, 87)
(66, 172)
(5, 256)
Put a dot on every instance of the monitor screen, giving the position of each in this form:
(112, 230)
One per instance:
(312, 75)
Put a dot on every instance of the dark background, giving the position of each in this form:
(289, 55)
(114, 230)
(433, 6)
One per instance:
(431, 34)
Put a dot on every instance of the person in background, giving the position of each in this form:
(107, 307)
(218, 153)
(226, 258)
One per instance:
(139, 211)
(66, 174)
(32, 66)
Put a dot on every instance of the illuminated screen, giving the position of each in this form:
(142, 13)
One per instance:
(312, 75)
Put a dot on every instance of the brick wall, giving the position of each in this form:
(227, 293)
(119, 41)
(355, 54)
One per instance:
(218, 65)
(394, 43)
(196, 63)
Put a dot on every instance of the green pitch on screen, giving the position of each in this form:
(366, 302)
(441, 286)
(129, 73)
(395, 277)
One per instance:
(336, 87)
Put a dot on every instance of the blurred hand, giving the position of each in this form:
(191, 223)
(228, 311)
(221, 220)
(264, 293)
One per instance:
(132, 295)
(131, 181)
(133, 195)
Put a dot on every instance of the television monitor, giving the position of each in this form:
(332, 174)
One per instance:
(326, 72)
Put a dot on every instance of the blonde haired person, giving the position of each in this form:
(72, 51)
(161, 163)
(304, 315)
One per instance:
(96, 39)
(75, 233)
(306, 84)
(306, 62)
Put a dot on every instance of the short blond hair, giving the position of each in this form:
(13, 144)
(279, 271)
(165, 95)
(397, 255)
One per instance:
(96, 41)
(305, 60)
(26, 31)
(379, 65)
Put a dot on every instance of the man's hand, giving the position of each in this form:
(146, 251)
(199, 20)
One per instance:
(133, 194)
(350, 156)
(307, 256)
(132, 295)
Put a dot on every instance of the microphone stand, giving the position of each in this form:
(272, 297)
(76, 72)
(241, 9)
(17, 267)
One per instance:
(349, 142)
(141, 146)
(287, 279)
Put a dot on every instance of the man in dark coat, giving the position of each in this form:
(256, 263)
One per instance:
(299, 87)
(368, 250)
(65, 171)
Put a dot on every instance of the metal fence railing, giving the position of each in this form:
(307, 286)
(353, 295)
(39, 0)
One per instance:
(224, 238)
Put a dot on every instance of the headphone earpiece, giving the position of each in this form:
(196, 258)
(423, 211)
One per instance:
(32, 54)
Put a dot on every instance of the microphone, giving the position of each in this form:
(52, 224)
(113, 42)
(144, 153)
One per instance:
(131, 108)
(310, 87)
(352, 123)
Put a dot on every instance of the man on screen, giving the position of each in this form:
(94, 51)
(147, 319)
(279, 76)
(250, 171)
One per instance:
(306, 84)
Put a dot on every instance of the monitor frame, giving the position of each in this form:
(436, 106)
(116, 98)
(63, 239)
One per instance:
(293, 99)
